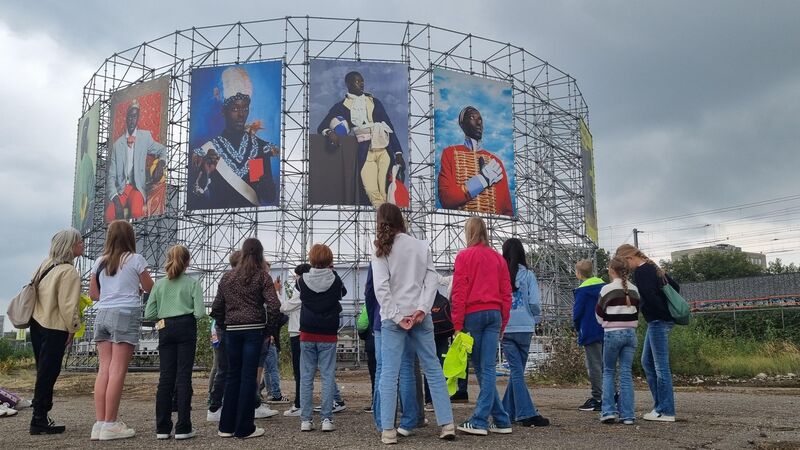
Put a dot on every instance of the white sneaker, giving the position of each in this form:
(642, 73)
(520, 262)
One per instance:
(448, 432)
(22, 403)
(327, 425)
(96, 430)
(658, 417)
(6, 410)
(292, 412)
(264, 411)
(162, 436)
(389, 437)
(214, 416)
(256, 433)
(306, 425)
(405, 433)
(224, 435)
(182, 436)
(116, 430)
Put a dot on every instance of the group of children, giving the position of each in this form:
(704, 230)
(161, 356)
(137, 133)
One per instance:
(606, 316)
(494, 298)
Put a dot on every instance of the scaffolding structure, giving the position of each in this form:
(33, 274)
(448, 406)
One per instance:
(547, 107)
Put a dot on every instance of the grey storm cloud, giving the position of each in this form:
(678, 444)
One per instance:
(693, 105)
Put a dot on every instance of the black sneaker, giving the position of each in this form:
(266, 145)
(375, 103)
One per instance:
(368, 409)
(459, 397)
(598, 406)
(45, 425)
(535, 421)
(590, 405)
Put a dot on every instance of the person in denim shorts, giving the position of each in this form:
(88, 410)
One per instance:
(118, 278)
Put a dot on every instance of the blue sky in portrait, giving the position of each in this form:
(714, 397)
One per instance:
(452, 92)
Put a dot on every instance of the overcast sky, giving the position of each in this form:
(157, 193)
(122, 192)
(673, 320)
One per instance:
(693, 105)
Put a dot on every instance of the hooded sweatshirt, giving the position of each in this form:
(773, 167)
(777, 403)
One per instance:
(321, 292)
(586, 296)
(405, 280)
(526, 309)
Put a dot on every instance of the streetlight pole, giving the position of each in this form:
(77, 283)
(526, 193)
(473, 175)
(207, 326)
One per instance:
(636, 233)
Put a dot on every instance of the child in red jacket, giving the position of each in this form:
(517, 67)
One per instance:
(481, 300)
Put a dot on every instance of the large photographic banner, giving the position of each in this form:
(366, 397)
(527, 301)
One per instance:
(589, 201)
(474, 134)
(235, 136)
(85, 163)
(358, 133)
(137, 158)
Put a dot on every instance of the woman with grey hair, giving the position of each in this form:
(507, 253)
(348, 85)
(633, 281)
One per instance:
(54, 322)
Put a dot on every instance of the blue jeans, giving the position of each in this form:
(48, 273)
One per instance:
(517, 400)
(272, 378)
(238, 405)
(409, 407)
(394, 341)
(655, 362)
(313, 355)
(618, 346)
(484, 327)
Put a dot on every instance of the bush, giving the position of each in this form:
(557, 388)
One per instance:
(566, 361)
(13, 356)
(204, 354)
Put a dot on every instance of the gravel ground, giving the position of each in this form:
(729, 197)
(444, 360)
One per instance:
(718, 417)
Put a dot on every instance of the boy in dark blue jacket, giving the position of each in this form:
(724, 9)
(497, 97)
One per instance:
(590, 333)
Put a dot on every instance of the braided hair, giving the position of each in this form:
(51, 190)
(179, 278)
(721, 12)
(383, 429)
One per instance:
(620, 267)
(390, 223)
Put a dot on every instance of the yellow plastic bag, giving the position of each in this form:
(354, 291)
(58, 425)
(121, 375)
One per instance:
(455, 362)
(83, 303)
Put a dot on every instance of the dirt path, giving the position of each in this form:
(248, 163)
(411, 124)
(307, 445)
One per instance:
(719, 417)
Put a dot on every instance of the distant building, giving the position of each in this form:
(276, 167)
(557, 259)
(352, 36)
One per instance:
(758, 259)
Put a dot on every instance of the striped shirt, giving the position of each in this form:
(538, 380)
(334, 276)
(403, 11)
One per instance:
(614, 312)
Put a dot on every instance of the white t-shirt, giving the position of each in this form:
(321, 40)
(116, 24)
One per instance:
(121, 290)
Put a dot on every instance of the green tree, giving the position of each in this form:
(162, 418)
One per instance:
(711, 265)
(602, 258)
(776, 267)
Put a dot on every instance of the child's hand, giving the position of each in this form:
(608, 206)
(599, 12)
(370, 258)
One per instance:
(407, 323)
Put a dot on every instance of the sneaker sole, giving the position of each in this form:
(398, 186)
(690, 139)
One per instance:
(448, 437)
(500, 430)
(473, 431)
(660, 419)
(609, 419)
(115, 438)
(163, 436)
(224, 435)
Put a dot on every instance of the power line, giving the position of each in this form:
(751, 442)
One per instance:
(709, 211)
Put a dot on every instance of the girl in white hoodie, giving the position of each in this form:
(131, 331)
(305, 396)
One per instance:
(405, 285)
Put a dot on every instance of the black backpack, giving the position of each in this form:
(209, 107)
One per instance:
(441, 315)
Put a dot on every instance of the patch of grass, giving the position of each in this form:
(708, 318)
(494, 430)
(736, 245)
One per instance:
(14, 357)
(771, 358)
